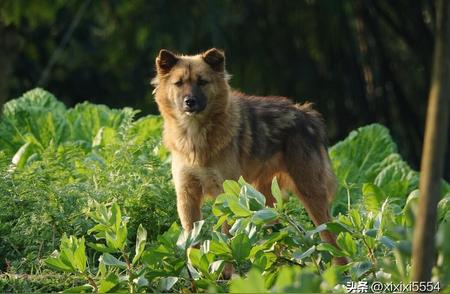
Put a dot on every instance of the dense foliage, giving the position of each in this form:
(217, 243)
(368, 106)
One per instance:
(94, 183)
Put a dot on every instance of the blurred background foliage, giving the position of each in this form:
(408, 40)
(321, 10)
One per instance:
(358, 61)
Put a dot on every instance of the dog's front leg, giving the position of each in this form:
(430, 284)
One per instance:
(189, 196)
(188, 205)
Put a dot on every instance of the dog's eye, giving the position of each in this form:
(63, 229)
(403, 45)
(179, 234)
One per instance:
(201, 82)
(179, 83)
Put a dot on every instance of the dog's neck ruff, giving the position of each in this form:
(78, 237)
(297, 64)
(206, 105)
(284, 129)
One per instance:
(200, 140)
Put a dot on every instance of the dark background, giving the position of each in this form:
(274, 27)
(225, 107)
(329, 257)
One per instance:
(359, 61)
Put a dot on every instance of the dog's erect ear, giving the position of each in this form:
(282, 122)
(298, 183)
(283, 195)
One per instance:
(165, 61)
(215, 58)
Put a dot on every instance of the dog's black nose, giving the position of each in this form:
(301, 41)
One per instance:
(190, 102)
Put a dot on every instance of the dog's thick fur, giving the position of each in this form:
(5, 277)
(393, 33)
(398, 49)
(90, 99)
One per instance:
(236, 134)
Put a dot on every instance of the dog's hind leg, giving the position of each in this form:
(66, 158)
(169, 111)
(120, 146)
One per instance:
(314, 184)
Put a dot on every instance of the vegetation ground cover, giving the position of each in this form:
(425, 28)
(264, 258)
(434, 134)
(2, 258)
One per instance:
(94, 184)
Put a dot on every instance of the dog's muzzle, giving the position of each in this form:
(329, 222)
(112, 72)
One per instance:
(191, 104)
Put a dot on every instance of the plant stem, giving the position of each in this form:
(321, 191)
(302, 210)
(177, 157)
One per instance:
(129, 273)
(302, 231)
(194, 287)
(91, 281)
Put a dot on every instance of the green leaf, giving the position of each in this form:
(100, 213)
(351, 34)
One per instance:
(265, 215)
(79, 289)
(231, 187)
(254, 283)
(58, 264)
(141, 238)
(219, 248)
(388, 242)
(195, 233)
(360, 268)
(216, 266)
(101, 247)
(277, 194)
(302, 255)
(397, 179)
(240, 247)
(195, 257)
(330, 248)
(165, 284)
(110, 260)
(109, 283)
(221, 206)
(373, 197)
(318, 229)
(338, 227)
(238, 208)
(346, 243)
(256, 199)
(20, 158)
(80, 258)
(368, 155)
(183, 240)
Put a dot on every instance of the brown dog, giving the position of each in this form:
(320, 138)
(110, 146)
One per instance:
(216, 134)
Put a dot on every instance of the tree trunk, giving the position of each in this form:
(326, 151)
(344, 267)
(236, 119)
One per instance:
(433, 148)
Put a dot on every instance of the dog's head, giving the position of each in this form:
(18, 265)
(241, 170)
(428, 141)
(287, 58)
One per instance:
(190, 85)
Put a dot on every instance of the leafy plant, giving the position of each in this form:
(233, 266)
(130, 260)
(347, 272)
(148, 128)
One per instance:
(97, 182)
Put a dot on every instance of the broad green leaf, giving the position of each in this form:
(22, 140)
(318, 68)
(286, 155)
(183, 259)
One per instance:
(443, 208)
(373, 197)
(219, 248)
(239, 226)
(360, 268)
(276, 193)
(388, 242)
(141, 238)
(265, 215)
(80, 258)
(101, 247)
(79, 289)
(231, 187)
(285, 278)
(397, 179)
(20, 158)
(330, 248)
(338, 227)
(108, 259)
(411, 208)
(238, 208)
(254, 283)
(58, 264)
(302, 255)
(183, 240)
(166, 284)
(107, 284)
(195, 256)
(318, 229)
(357, 158)
(346, 243)
(256, 199)
(195, 233)
(240, 247)
(216, 266)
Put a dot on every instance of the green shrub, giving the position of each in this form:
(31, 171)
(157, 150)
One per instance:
(58, 164)
(54, 161)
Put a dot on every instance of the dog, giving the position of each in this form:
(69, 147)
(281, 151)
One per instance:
(215, 134)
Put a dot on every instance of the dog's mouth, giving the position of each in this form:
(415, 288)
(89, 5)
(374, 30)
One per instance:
(193, 110)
